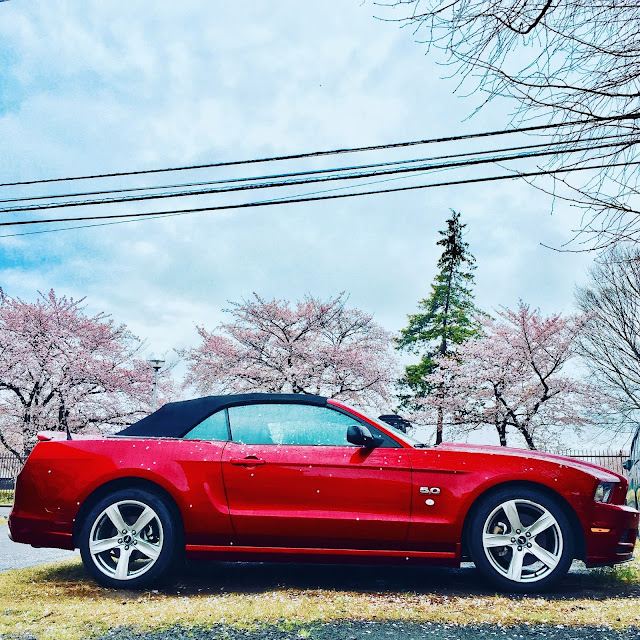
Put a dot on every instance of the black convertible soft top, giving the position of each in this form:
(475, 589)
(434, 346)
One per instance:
(175, 419)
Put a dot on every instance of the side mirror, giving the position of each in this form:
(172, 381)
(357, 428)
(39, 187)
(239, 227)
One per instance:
(627, 464)
(361, 436)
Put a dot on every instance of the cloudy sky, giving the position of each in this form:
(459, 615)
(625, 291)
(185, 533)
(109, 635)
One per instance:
(98, 87)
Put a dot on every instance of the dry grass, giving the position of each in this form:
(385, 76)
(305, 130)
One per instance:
(60, 602)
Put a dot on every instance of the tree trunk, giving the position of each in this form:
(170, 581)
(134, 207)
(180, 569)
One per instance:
(439, 426)
(63, 415)
(502, 433)
(445, 321)
(443, 352)
(29, 434)
(10, 449)
(527, 436)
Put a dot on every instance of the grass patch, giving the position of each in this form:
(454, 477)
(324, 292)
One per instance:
(59, 601)
(6, 497)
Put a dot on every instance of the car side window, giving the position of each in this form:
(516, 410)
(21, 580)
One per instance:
(212, 428)
(291, 424)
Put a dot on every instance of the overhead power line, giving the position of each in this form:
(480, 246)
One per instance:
(316, 154)
(297, 200)
(295, 174)
(339, 174)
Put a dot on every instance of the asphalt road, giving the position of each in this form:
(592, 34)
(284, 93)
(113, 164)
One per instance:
(351, 630)
(19, 556)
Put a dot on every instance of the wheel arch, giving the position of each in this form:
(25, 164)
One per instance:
(117, 484)
(576, 525)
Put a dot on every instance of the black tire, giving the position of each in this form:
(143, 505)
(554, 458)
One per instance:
(126, 558)
(526, 551)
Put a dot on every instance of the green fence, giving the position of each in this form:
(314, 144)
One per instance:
(9, 469)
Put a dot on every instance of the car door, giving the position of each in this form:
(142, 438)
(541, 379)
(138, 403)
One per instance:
(292, 479)
(199, 455)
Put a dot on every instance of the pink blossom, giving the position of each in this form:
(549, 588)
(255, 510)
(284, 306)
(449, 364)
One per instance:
(60, 368)
(511, 378)
(312, 346)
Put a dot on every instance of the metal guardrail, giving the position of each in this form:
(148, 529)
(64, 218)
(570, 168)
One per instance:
(10, 466)
(607, 458)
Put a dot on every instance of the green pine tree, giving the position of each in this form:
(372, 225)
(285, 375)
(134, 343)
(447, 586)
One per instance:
(446, 318)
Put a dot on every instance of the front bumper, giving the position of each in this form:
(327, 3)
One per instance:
(612, 535)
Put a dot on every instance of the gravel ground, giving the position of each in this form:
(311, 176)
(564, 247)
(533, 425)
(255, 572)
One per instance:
(19, 556)
(382, 631)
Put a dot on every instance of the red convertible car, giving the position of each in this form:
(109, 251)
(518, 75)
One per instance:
(297, 477)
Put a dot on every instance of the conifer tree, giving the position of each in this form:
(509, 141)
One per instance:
(445, 319)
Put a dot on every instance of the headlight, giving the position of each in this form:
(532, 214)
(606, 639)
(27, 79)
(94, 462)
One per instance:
(604, 491)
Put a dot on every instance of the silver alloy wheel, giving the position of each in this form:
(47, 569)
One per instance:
(126, 539)
(522, 540)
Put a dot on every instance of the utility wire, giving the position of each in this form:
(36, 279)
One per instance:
(316, 154)
(289, 183)
(263, 203)
(172, 215)
(80, 226)
(296, 174)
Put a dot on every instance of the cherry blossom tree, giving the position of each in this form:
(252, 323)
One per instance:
(511, 378)
(62, 369)
(312, 346)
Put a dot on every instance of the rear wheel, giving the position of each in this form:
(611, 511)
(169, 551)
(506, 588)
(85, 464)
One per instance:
(521, 539)
(128, 539)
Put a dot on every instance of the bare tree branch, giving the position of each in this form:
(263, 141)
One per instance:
(561, 61)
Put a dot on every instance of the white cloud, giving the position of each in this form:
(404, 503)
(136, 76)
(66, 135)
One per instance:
(97, 87)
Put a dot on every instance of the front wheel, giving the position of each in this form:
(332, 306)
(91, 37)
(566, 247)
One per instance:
(128, 539)
(521, 540)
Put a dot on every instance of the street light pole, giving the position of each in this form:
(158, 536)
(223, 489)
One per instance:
(156, 363)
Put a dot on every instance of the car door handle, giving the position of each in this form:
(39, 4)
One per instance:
(249, 461)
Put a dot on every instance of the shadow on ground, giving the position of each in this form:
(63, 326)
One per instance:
(224, 577)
